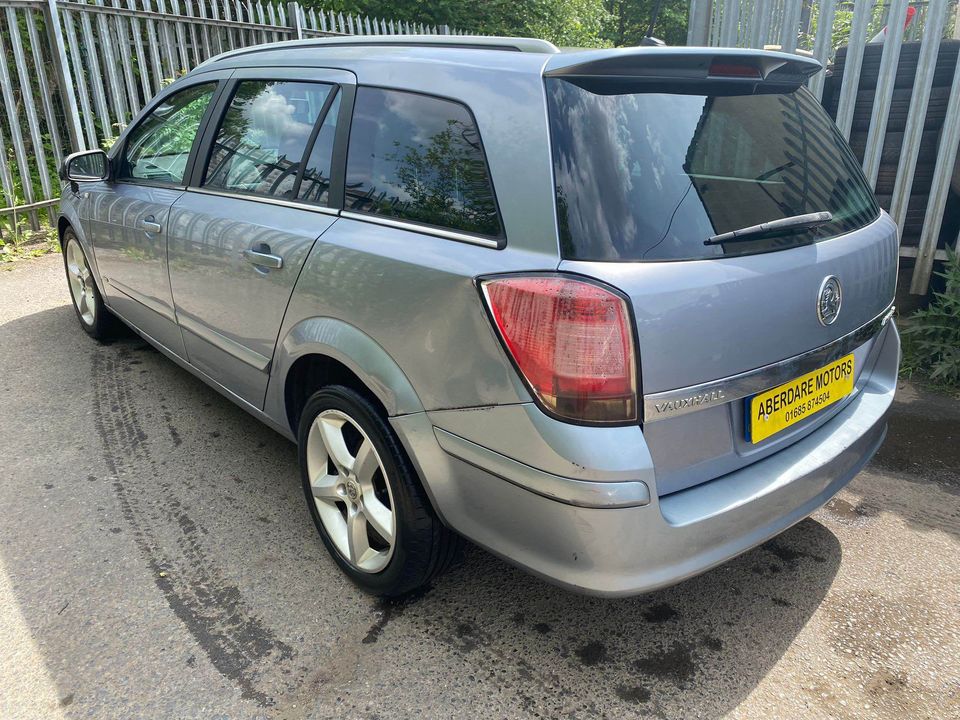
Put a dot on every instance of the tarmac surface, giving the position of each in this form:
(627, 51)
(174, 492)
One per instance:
(157, 560)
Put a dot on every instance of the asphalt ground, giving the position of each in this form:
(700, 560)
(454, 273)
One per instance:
(157, 560)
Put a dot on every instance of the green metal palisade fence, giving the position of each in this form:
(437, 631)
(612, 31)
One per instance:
(74, 72)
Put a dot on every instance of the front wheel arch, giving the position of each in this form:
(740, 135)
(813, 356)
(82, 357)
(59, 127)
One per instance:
(82, 281)
(63, 224)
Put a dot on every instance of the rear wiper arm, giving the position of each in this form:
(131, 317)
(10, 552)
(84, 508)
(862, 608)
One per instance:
(774, 171)
(794, 222)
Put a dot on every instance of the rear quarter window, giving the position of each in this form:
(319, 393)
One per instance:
(644, 175)
(419, 158)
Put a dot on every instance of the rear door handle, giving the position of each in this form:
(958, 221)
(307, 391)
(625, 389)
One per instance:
(263, 259)
(150, 225)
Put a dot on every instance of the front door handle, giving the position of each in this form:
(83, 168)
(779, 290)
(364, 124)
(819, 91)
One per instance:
(263, 258)
(150, 225)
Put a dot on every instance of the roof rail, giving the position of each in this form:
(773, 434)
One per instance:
(478, 42)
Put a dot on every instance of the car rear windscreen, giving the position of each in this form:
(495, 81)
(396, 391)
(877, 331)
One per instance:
(643, 175)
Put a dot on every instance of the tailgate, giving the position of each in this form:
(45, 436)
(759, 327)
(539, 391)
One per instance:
(704, 320)
(667, 191)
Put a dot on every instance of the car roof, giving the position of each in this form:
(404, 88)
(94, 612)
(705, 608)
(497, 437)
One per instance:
(432, 45)
(517, 54)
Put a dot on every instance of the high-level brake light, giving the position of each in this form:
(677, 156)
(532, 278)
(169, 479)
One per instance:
(733, 70)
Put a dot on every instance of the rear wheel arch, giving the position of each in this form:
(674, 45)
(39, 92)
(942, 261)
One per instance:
(326, 351)
(313, 371)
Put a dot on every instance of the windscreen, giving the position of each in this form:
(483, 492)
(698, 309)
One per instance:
(652, 175)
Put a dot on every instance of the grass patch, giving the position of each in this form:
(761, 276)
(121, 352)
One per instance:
(29, 244)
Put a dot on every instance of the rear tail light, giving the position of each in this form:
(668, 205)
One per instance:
(572, 343)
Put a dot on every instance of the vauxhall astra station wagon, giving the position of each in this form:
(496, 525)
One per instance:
(615, 315)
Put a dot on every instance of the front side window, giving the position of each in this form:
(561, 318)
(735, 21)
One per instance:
(260, 144)
(419, 158)
(157, 149)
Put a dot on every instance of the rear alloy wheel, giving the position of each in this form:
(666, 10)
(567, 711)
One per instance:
(350, 491)
(94, 317)
(365, 497)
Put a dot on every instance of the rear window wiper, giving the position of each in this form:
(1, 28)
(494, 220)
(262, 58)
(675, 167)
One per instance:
(794, 222)
(770, 173)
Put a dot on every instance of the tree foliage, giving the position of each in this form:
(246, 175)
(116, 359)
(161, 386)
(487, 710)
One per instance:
(571, 23)
(629, 21)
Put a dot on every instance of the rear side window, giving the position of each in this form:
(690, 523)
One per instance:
(652, 175)
(419, 158)
(261, 141)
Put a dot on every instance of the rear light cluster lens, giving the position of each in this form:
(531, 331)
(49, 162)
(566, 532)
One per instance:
(571, 341)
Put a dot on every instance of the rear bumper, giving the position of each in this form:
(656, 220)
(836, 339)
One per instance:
(611, 535)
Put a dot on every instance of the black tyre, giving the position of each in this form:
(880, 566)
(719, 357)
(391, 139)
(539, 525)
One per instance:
(365, 497)
(96, 320)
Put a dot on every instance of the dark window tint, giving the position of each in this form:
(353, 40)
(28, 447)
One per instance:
(419, 158)
(315, 186)
(651, 175)
(260, 143)
(159, 147)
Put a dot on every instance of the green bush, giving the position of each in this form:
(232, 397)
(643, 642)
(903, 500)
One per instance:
(932, 337)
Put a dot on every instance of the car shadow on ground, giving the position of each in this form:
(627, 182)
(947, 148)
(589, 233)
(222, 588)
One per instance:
(209, 502)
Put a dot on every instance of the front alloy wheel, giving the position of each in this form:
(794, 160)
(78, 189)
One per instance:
(81, 282)
(94, 317)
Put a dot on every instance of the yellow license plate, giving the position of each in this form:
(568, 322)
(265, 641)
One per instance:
(778, 408)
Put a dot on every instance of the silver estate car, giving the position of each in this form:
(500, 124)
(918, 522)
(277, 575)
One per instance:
(615, 315)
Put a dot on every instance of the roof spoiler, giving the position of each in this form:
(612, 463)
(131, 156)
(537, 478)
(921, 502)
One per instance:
(683, 63)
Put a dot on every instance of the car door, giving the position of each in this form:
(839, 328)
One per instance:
(258, 199)
(127, 215)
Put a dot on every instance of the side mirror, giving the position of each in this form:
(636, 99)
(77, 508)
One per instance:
(86, 166)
